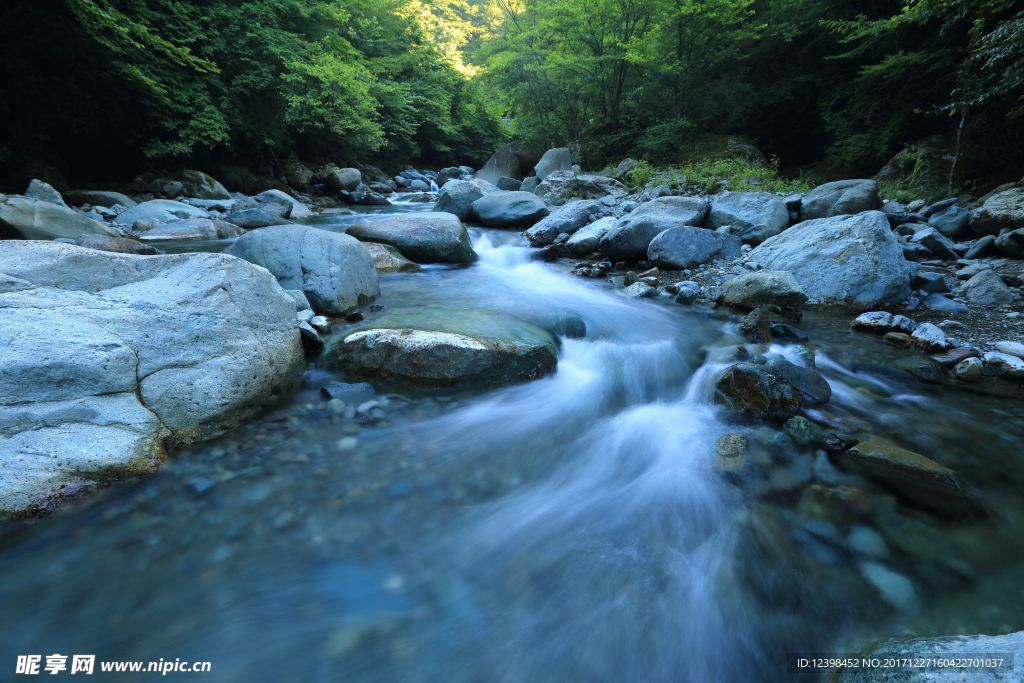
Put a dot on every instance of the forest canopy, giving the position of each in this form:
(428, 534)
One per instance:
(108, 84)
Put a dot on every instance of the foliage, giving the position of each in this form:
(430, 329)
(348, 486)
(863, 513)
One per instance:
(716, 175)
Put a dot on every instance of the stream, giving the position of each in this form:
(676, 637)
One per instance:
(571, 528)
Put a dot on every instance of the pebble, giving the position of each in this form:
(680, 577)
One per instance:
(866, 541)
(968, 370)
(336, 406)
(894, 588)
(347, 443)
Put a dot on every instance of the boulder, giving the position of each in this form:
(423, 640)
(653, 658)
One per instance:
(509, 209)
(457, 196)
(567, 219)
(986, 289)
(765, 288)
(429, 237)
(191, 229)
(557, 159)
(440, 347)
(813, 387)
(100, 198)
(340, 179)
(1000, 211)
(262, 216)
(839, 198)
(157, 211)
(852, 261)
(1010, 648)
(509, 184)
(1011, 243)
(754, 390)
(686, 247)
(753, 216)
(912, 475)
(503, 163)
(334, 270)
(587, 239)
(561, 186)
(25, 218)
(1005, 365)
(631, 236)
(202, 186)
(952, 222)
(387, 259)
(297, 174)
(296, 209)
(44, 192)
(686, 210)
(153, 351)
(530, 184)
(936, 243)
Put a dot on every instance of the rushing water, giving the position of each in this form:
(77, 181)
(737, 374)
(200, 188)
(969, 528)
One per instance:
(571, 528)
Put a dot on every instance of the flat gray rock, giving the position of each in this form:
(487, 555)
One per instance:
(430, 237)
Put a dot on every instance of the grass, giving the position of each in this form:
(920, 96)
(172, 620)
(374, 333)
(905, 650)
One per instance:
(715, 175)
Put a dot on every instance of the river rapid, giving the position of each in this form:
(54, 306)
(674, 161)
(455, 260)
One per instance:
(571, 528)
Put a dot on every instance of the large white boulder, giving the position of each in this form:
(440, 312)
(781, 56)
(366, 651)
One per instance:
(850, 261)
(35, 219)
(110, 358)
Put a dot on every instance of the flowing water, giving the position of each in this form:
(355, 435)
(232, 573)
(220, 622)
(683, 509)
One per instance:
(570, 528)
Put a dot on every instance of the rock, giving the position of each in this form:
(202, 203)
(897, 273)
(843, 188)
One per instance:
(968, 370)
(687, 292)
(972, 269)
(755, 391)
(449, 173)
(191, 229)
(943, 304)
(756, 326)
(910, 474)
(929, 281)
(297, 174)
(1011, 347)
(312, 343)
(878, 322)
(509, 184)
(999, 211)
(566, 219)
(335, 271)
(839, 198)
(260, 217)
(812, 385)
(630, 237)
(1009, 648)
(953, 357)
(153, 351)
(340, 179)
(25, 218)
(936, 243)
(363, 196)
(202, 186)
(296, 209)
(509, 209)
(852, 261)
(686, 247)
(100, 198)
(930, 338)
(439, 347)
(503, 162)
(900, 340)
(44, 192)
(986, 289)
(349, 392)
(1011, 243)
(803, 432)
(686, 210)
(765, 287)
(429, 237)
(753, 216)
(561, 186)
(951, 222)
(731, 455)
(915, 252)
(896, 213)
(387, 259)
(1003, 365)
(117, 245)
(640, 290)
(983, 246)
(157, 211)
(457, 196)
(557, 159)
(587, 239)
(530, 184)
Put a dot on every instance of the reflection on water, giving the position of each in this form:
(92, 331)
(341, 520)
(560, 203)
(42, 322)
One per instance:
(572, 528)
